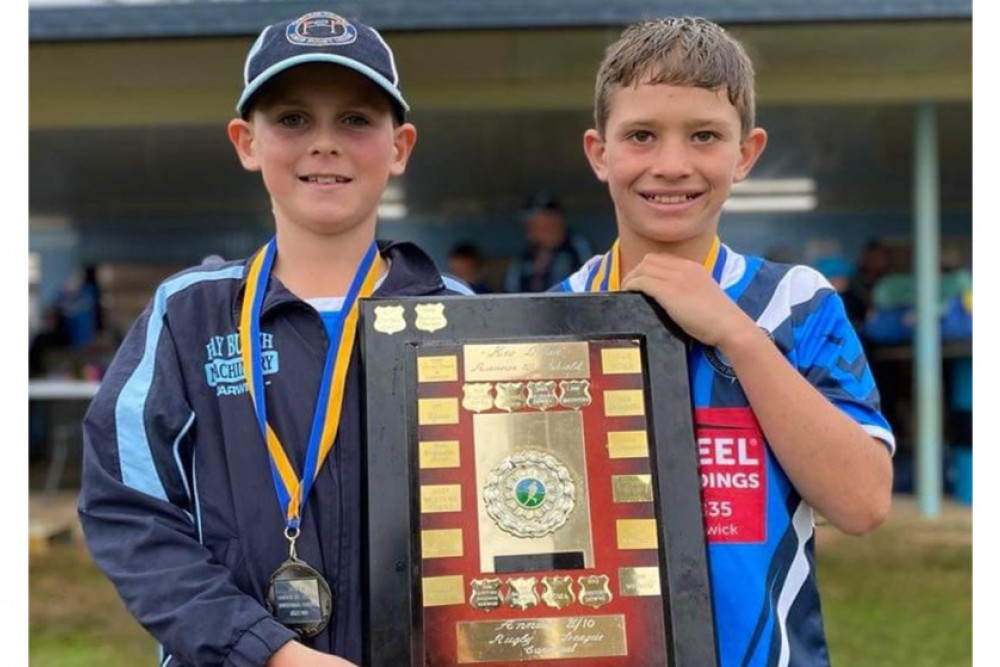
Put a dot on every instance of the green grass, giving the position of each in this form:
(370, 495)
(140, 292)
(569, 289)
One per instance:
(76, 618)
(901, 596)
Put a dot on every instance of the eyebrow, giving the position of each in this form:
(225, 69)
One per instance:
(642, 121)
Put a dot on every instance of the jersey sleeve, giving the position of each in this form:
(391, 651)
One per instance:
(140, 517)
(828, 353)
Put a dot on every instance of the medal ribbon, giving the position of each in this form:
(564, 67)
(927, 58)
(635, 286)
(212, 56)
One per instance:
(605, 276)
(291, 491)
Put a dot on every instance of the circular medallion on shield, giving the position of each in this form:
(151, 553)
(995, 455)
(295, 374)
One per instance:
(529, 494)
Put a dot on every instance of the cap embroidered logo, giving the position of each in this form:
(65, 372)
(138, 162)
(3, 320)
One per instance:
(321, 29)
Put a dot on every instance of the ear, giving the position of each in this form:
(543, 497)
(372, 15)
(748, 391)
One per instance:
(241, 137)
(750, 149)
(594, 148)
(403, 140)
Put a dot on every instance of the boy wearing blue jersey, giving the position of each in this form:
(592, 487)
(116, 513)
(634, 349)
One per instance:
(786, 410)
(221, 488)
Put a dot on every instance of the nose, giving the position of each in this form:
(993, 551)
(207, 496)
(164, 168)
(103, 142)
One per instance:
(673, 160)
(325, 139)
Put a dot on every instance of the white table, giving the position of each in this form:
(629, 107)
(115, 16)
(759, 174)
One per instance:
(60, 390)
(55, 390)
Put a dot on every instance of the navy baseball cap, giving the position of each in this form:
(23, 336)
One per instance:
(321, 37)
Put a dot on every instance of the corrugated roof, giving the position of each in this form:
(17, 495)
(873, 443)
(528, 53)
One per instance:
(208, 19)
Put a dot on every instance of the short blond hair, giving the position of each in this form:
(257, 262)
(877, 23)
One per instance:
(686, 51)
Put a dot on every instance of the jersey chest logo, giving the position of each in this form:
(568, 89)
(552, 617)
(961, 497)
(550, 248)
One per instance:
(733, 468)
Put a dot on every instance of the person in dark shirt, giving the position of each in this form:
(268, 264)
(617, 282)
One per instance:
(552, 252)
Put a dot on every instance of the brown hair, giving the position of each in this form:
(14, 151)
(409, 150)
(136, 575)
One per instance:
(677, 51)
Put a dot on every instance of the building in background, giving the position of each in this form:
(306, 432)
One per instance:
(130, 167)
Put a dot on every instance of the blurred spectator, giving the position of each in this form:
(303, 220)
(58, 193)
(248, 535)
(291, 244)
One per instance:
(873, 265)
(552, 253)
(466, 263)
(80, 307)
(781, 254)
(212, 260)
(840, 273)
(44, 351)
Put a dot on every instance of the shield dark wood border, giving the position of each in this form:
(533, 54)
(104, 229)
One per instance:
(393, 611)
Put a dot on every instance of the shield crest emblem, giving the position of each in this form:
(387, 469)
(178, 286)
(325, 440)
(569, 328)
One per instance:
(430, 317)
(477, 396)
(522, 592)
(558, 591)
(510, 396)
(574, 394)
(389, 319)
(485, 594)
(542, 395)
(594, 590)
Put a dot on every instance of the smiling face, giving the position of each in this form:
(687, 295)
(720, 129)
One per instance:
(324, 140)
(670, 155)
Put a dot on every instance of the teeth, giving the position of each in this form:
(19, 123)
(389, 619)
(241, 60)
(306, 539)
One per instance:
(668, 199)
(326, 179)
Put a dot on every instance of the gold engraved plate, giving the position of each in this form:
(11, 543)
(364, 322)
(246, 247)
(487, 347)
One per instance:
(542, 395)
(437, 369)
(594, 590)
(434, 411)
(440, 498)
(499, 437)
(446, 543)
(526, 361)
(541, 639)
(530, 494)
(510, 396)
(477, 397)
(627, 445)
(430, 317)
(632, 488)
(574, 394)
(441, 591)
(636, 533)
(620, 360)
(389, 319)
(521, 592)
(623, 403)
(439, 454)
(638, 581)
(558, 591)
(485, 594)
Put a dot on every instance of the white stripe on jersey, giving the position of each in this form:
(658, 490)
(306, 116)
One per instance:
(732, 272)
(882, 434)
(802, 522)
(797, 286)
(578, 281)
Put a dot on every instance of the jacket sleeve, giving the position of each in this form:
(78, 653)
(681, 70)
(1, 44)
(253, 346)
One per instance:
(139, 518)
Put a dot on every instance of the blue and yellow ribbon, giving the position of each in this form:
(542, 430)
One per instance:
(606, 274)
(292, 491)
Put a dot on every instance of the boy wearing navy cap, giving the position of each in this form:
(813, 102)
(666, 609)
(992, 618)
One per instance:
(221, 480)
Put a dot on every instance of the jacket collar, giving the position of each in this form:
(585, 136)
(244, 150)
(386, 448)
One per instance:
(411, 273)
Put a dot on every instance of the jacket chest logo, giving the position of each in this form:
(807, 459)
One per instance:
(224, 370)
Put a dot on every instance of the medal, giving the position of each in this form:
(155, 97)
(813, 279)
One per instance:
(297, 594)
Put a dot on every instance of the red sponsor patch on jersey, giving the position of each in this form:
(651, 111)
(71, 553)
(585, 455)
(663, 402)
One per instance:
(732, 464)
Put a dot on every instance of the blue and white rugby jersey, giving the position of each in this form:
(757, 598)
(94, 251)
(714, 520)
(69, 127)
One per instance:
(760, 532)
